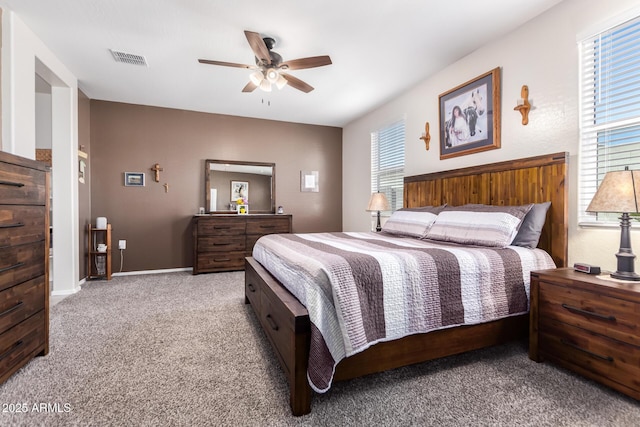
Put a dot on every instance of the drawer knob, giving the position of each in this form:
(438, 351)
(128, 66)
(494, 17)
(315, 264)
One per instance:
(11, 267)
(272, 323)
(13, 225)
(590, 353)
(14, 308)
(11, 350)
(251, 287)
(12, 184)
(608, 318)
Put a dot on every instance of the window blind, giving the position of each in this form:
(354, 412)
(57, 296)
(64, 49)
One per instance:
(609, 110)
(387, 162)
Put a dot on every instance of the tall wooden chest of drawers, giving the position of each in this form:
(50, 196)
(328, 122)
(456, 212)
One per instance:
(588, 324)
(24, 262)
(221, 242)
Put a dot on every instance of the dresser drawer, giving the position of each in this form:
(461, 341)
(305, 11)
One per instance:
(21, 224)
(269, 225)
(221, 261)
(20, 185)
(613, 317)
(220, 226)
(593, 353)
(221, 243)
(21, 263)
(21, 301)
(22, 340)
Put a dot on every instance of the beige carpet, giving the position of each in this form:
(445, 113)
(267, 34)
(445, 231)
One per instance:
(183, 350)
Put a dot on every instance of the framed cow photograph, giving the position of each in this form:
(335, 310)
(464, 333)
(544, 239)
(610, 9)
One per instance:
(470, 116)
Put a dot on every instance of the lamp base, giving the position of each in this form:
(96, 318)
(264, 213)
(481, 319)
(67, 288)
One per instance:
(624, 275)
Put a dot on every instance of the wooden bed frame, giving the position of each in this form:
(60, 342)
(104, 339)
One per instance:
(286, 321)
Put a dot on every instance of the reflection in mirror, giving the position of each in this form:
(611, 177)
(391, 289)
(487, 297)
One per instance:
(227, 180)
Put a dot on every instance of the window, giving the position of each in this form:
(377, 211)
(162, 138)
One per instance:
(387, 162)
(610, 110)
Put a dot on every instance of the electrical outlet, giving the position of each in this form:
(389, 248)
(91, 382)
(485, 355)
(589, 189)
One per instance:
(122, 244)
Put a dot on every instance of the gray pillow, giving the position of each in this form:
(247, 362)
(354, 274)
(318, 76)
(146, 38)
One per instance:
(431, 209)
(529, 233)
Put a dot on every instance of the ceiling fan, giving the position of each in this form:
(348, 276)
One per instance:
(270, 69)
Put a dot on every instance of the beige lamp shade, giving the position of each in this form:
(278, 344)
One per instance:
(618, 192)
(378, 202)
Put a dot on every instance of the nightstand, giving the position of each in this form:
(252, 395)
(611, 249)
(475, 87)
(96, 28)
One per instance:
(587, 324)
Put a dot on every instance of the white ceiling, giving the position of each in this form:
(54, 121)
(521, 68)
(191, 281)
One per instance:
(379, 48)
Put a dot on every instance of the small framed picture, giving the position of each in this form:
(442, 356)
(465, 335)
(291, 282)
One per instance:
(239, 190)
(134, 179)
(242, 209)
(309, 181)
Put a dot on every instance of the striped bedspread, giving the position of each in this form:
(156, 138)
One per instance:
(365, 288)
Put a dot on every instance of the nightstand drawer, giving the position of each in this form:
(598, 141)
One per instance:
(613, 317)
(593, 353)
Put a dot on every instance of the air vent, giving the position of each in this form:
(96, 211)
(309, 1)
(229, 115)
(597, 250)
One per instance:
(128, 58)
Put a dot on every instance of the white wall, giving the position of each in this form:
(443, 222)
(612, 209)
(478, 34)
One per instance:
(542, 54)
(23, 56)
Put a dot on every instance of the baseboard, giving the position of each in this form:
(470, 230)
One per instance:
(166, 270)
(65, 293)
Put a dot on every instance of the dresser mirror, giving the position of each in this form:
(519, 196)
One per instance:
(226, 180)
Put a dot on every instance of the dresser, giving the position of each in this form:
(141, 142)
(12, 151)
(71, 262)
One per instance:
(587, 324)
(221, 242)
(24, 262)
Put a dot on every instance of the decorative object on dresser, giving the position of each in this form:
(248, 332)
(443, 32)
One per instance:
(619, 192)
(286, 321)
(378, 202)
(587, 324)
(99, 256)
(221, 242)
(24, 262)
(470, 116)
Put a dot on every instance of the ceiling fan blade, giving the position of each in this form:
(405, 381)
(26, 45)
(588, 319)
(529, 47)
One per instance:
(296, 83)
(311, 62)
(250, 87)
(224, 64)
(258, 46)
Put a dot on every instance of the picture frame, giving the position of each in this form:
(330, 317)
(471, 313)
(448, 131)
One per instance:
(242, 209)
(309, 181)
(469, 116)
(134, 179)
(239, 190)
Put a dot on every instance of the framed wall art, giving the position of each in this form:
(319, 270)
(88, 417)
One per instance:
(470, 116)
(239, 190)
(134, 179)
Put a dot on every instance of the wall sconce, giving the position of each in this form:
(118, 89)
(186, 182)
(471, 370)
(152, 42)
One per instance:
(523, 104)
(425, 136)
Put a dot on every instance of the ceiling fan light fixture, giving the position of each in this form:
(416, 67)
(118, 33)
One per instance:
(281, 82)
(256, 78)
(265, 85)
(272, 75)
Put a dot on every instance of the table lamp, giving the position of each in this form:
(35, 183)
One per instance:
(378, 202)
(619, 192)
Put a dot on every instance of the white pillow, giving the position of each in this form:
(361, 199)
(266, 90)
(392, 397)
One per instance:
(409, 223)
(480, 225)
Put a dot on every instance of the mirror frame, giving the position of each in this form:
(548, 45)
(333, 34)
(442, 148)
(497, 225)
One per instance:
(207, 184)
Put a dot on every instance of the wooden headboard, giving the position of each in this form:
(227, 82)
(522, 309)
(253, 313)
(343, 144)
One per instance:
(515, 182)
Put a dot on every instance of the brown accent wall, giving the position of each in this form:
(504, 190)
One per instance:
(84, 190)
(155, 223)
